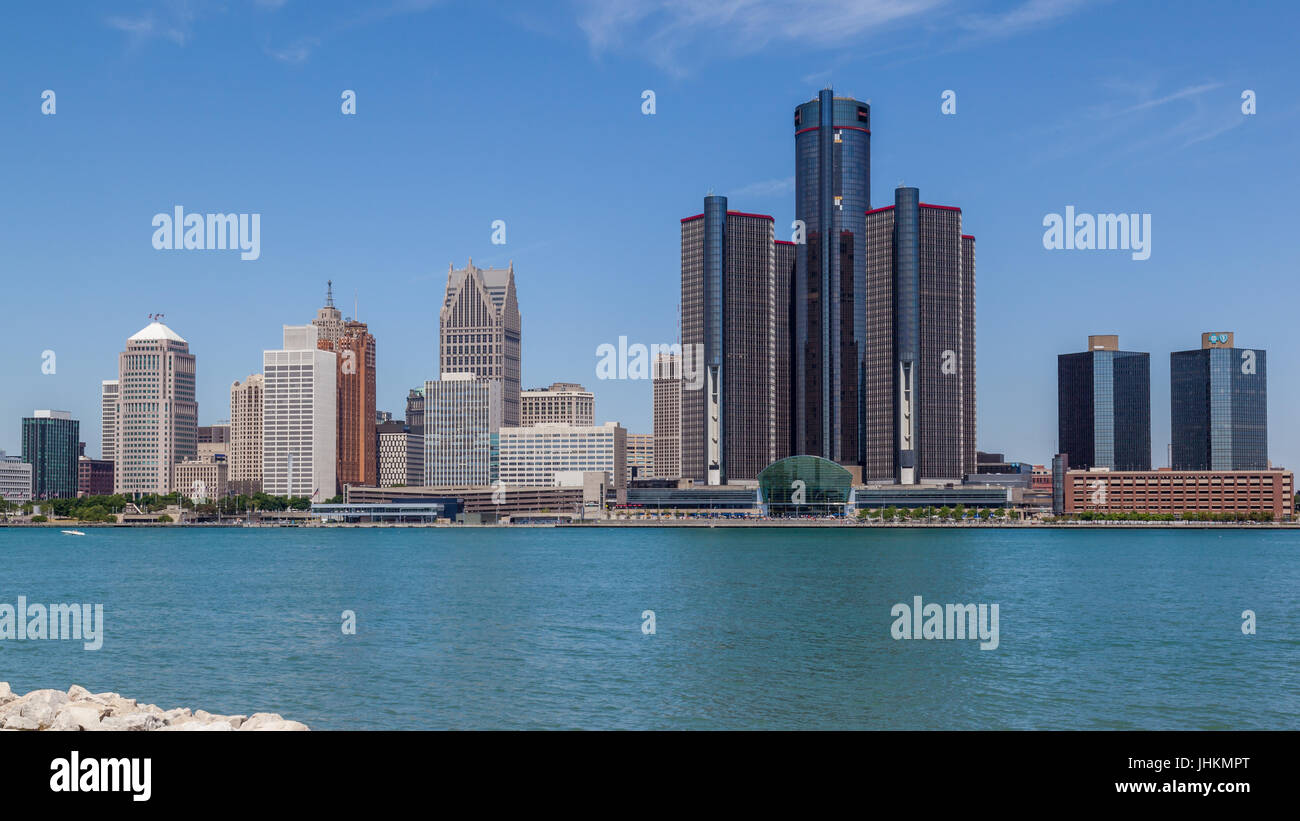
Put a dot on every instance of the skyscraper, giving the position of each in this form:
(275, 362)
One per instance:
(329, 320)
(480, 330)
(358, 459)
(245, 474)
(1219, 406)
(50, 446)
(832, 191)
(108, 419)
(919, 360)
(667, 388)
(157, 415)
(729, 425)
(783, 275)
(1104, 406)
(462, 426)
(299, 420)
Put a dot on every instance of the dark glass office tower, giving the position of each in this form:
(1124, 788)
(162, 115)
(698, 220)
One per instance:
(1104, 406)
(783, 356)
(1219, 406)
(832, 139)
(728, 413)
(50, 446)
(919, 361)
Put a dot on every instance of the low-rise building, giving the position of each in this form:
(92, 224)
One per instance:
(401, 454)
(531, 456)
(640, 456)
(15, 479)
(1243, 493)
(94, 477)
(202, 480)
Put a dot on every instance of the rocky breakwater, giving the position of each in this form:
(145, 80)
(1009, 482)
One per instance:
(80, 709)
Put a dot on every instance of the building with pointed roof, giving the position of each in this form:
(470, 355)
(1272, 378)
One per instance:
(329, 320)
(480, 330)
(157, 417)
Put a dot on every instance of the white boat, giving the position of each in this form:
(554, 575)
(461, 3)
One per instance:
(72, 533)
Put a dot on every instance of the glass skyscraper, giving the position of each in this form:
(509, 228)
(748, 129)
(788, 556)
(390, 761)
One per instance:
(1218, 403)
(1104, 406)
(832, 191)
(919, 361)
(50, 446)
(731, 326)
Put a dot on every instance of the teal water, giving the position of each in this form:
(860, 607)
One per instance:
(755, 628)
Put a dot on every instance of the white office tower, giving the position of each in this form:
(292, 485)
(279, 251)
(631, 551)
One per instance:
(299, 421)
(108, 419)
(462, 418)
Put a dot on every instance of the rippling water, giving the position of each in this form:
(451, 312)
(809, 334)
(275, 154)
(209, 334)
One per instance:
(755, 628)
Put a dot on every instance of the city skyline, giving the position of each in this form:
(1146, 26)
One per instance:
(1174, 129)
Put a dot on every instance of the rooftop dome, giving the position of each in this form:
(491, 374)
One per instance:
(155, 331)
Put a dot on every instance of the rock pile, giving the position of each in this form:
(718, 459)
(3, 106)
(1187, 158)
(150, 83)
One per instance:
(80, 709)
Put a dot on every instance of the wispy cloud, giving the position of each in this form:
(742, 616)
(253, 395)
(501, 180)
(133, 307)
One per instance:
(1141, 117)
(766, 188)
(296, 52)
(673, 33)
(1028, 15)
(149, 26)
(1181, 94)
(300, 49)
(666, 31)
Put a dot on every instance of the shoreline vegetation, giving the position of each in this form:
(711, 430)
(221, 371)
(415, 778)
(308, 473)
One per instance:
(78, 709)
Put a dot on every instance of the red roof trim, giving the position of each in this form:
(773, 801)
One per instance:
(944, 207)
(733, 214)
(784, 242)
(967, 236)
(878, 210)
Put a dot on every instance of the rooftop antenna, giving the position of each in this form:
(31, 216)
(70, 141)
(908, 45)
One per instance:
(329, 293)
(355, 315)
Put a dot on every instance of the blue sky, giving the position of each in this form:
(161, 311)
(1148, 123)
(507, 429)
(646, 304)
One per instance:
(469, 112)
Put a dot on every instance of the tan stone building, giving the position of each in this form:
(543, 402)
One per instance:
(640, 456)
(563, 403)
(245, 455)
(667, 381)
(202, 480)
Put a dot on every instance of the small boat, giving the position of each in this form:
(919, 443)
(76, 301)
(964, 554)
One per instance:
(72, 533)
